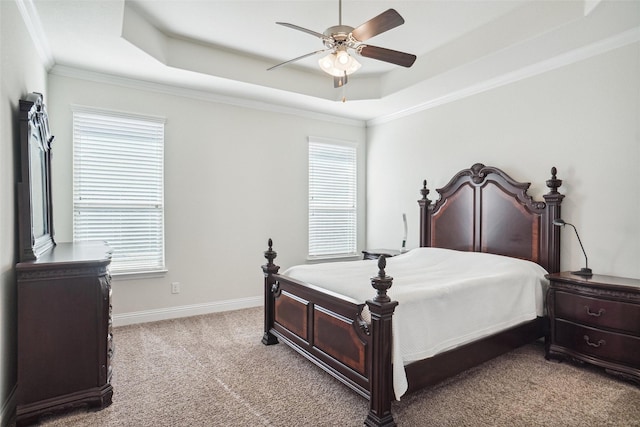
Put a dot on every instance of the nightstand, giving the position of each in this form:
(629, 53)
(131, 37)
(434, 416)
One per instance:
(595, 320)
(375, 253)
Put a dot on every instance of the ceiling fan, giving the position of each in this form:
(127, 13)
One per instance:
(340, 39)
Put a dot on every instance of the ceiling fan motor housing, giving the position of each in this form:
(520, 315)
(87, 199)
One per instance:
(337, 35)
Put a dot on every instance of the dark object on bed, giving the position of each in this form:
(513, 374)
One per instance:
(481, 209)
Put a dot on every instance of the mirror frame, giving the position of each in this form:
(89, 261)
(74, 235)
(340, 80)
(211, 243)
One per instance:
(34, 239)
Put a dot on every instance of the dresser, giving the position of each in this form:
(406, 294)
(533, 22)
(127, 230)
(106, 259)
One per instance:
(65, 341)
(595, 320)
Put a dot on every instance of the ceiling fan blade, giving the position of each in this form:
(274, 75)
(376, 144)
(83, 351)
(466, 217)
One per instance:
(297, 59)
(304, 30)
(378, 25)
(387, 55)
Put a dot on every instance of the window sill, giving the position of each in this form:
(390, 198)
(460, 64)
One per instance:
(330, 258)
(139, 275)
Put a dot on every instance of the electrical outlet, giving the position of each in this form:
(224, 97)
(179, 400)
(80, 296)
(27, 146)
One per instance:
(175, 287)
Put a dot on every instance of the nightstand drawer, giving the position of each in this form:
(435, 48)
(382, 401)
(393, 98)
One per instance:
(624, 317)
(620, 348)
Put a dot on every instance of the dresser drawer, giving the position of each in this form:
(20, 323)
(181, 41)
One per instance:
(619, 348)
(602, 313)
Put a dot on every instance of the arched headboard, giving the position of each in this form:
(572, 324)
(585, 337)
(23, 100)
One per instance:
(482, 209)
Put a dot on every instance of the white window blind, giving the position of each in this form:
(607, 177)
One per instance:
(332, 199)
(118, 194)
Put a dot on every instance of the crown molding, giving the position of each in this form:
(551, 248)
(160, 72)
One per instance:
(620, 40)
(202, 95)
(32, 21)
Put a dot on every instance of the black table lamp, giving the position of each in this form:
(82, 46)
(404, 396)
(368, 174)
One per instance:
(585, 271)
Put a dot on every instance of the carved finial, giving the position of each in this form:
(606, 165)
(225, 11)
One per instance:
(270, 268)
(382, 282)
(554, 182)
(270, 254)
(425, 190)
(382, 263)
(477, 173)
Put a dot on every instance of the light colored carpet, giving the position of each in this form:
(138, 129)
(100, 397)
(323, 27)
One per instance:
(212, 370)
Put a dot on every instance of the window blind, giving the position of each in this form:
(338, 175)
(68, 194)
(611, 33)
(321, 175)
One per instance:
(118, 186)
(332, 199)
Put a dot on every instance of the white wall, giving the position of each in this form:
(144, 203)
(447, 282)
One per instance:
(235, 176)
(21, 72)
(583, 119)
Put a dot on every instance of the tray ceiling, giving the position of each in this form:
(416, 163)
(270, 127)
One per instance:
(225, 47)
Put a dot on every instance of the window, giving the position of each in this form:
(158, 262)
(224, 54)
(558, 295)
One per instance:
(118, 178)
(332, 198)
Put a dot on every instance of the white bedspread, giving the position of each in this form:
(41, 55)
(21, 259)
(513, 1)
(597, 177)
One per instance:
(446, 298)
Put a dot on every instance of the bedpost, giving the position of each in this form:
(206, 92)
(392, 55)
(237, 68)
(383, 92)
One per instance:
(269, 270)
(425, 224)
(381, 376)
(553, 200)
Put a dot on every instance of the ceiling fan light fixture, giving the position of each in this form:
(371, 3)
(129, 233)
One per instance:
(326, 62)
(337, 64)
(342, 58)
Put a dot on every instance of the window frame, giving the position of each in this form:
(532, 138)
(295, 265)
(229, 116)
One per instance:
(356, 199)
(156, 188)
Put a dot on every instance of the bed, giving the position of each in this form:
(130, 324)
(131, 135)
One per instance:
(355, 339)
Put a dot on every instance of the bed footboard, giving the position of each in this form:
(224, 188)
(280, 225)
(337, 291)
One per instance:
(328, 329)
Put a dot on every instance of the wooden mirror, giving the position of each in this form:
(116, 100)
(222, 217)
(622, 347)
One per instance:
(35, 221)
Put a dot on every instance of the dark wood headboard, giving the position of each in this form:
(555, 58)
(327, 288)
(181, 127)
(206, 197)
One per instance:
(482, 209)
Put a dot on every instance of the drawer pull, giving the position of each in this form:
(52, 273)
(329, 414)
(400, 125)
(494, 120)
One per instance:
(596, 345)
(598, 314)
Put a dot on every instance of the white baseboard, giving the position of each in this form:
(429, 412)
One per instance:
(8, 409)
(185, 311)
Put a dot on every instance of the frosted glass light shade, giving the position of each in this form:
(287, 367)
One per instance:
(336, 64)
